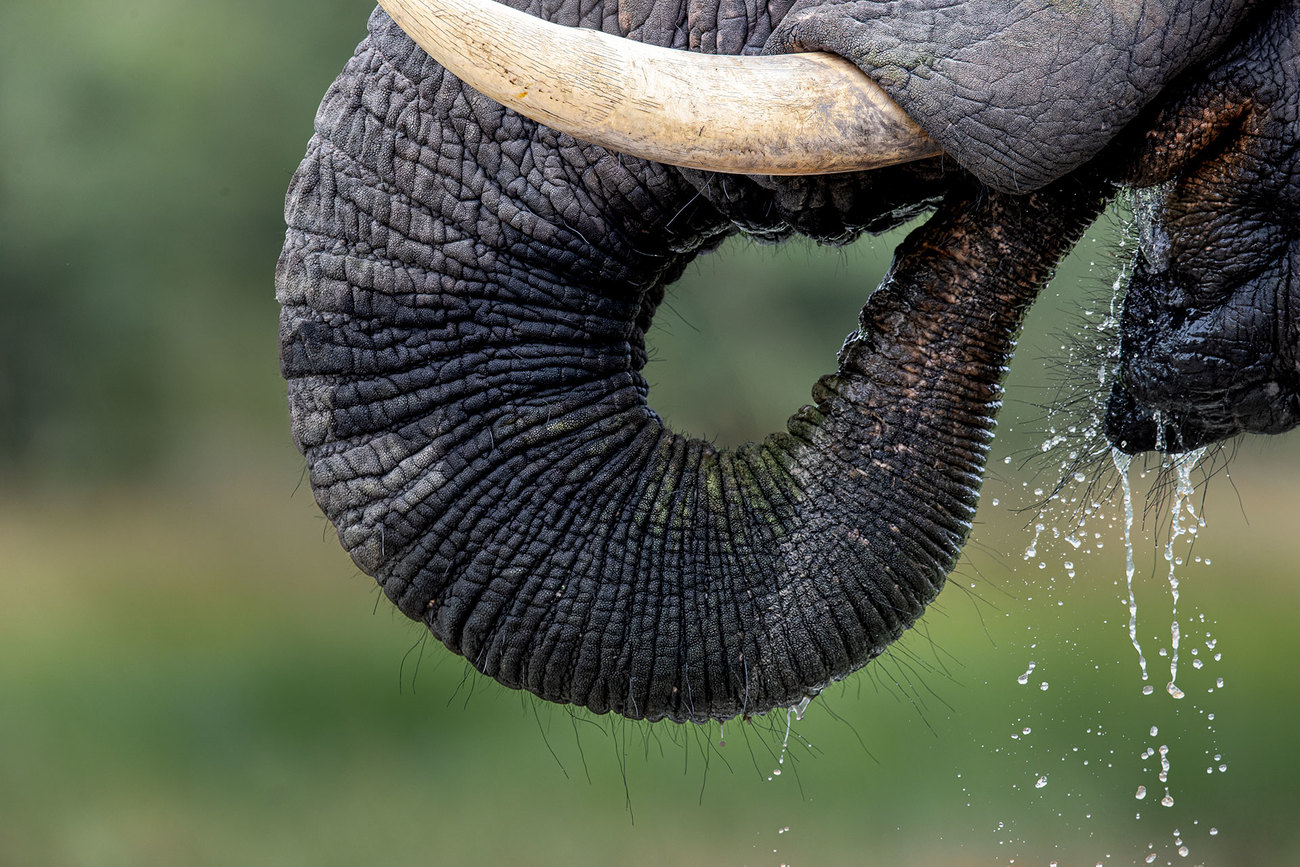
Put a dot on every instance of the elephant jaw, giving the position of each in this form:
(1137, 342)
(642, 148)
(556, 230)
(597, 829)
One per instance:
(792, 114)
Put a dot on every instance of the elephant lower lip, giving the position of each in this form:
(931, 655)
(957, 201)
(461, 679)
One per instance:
(1134, 428)
(1128, 428)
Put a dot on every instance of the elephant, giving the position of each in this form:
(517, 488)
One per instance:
(465, 293)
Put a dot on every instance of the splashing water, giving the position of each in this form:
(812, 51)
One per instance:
(1122, 462)
(793, 712)
(1183, 465)
(1073, 441)
(1184, 521)
(1168, 799)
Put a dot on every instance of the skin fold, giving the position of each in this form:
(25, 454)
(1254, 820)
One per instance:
(465, 295)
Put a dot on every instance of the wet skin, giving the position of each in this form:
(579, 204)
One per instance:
(1210, 339)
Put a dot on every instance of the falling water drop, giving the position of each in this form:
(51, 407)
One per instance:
(1183, 465)
(1122, 462)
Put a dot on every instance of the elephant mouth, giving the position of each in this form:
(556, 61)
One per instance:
(791, 114)
(1194, 371)
(1261, 407)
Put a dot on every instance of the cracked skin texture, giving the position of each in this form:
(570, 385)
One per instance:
(465, 298)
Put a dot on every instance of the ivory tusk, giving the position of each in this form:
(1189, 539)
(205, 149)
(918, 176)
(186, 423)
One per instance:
(789, 114)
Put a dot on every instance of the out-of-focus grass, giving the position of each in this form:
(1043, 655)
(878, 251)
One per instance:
(192, 673)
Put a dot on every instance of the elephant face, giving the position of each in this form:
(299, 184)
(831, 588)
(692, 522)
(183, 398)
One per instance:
(1210, 332)
(465, 294)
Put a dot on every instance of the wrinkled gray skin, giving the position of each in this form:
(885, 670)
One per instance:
(466, 293)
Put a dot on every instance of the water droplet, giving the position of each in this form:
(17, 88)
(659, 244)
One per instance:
(1122, 462)
(1167, 800)
(1141, 792)
(1182, 506)
(1042, 781)
(1024, 678)
(1043, 686)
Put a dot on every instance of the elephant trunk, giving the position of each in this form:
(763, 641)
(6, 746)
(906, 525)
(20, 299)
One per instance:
(464, 308)
(547, 526)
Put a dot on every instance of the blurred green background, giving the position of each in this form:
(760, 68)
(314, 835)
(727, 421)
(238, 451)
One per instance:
(192, 672)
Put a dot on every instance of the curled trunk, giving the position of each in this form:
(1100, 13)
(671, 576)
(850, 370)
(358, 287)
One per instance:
(465, 296)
